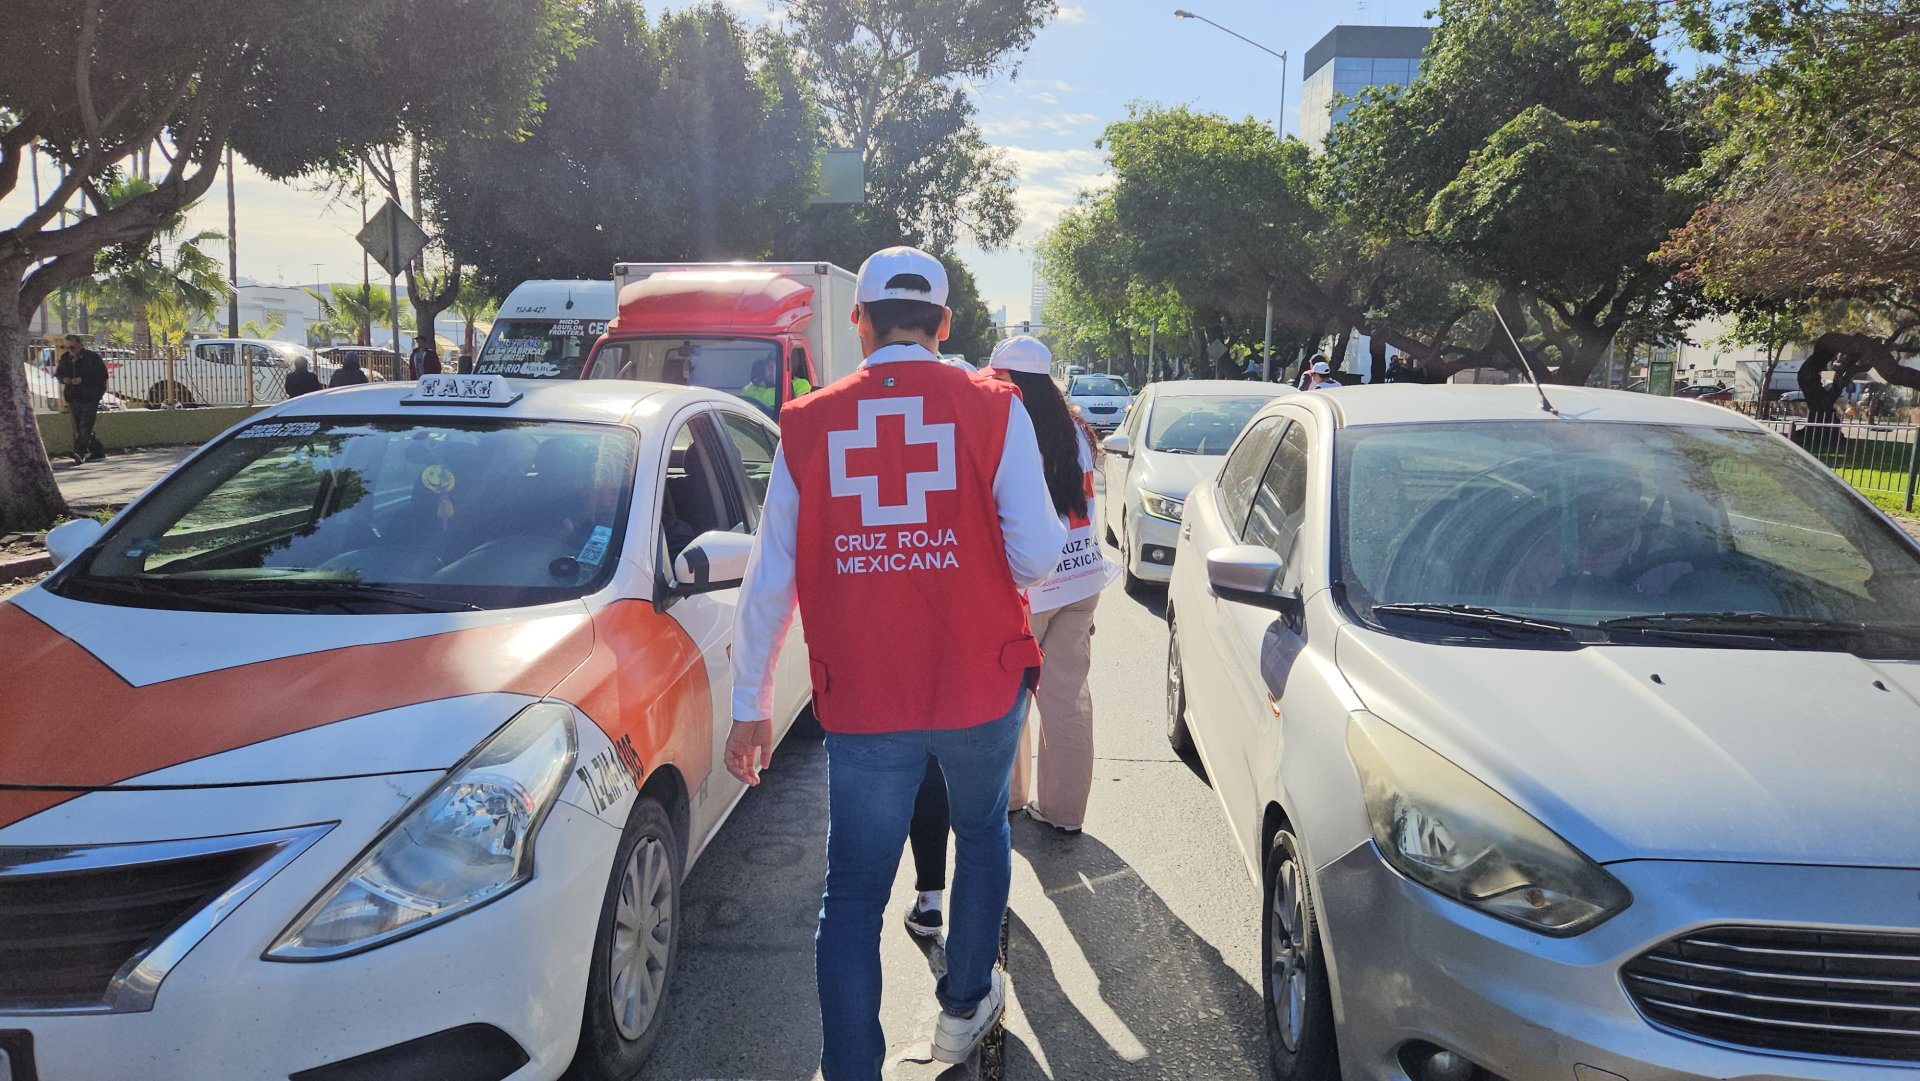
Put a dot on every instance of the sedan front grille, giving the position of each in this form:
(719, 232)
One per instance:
(96, 929)
(1836, 994)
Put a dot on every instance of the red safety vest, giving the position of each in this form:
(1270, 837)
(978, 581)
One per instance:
(911, 615)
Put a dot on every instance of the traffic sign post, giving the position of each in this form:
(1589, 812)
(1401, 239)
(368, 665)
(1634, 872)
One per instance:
(394, 240)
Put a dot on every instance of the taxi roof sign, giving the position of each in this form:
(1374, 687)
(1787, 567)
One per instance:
(462, 390)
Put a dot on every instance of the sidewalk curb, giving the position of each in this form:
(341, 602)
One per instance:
(19, 567)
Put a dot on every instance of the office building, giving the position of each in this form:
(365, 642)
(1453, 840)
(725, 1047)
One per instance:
(1347, 61)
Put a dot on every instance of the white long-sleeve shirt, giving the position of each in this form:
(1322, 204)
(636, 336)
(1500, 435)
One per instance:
(1029, 528)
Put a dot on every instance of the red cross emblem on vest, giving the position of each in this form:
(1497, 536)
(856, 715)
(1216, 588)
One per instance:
(891, 461)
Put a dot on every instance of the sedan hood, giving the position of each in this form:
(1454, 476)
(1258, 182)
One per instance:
(1177, 474)
(1670, 753)
(109, 700)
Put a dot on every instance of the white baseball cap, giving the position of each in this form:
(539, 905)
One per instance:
(1322, 367)
(1022, 353)
(882, 267)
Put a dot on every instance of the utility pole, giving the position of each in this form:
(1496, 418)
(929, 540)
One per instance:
(393, 285)
(233, 256)
(1266, 351)
(366, 268)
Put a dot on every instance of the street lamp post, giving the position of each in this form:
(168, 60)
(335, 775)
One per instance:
(1280, 125)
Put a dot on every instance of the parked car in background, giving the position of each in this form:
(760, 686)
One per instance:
(45, 391)
(1562, 747)
(379, 364)
(1174, 439)
(410, 705)
(208, 371)
(1706, 392)
(1103, 399)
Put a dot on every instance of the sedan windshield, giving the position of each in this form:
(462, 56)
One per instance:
(373, 515)
(1681, 533)
(728, 364)
(1103, 385)
(1193, 424)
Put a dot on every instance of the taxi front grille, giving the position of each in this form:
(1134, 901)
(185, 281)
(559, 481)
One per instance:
(96, 929)
(1836, 994)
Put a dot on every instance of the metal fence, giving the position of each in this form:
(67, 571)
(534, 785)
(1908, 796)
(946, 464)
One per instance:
(1878, 459)
(168, 381)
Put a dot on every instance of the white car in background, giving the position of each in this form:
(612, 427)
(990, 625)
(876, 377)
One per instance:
(1103, 399)
(1175, 438)
(210, 371)
(1578, 745)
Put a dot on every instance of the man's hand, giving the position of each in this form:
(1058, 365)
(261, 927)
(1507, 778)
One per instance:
(749, 749)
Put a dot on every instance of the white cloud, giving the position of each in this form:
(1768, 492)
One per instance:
(1003, 129)
(1050, 182)
(1045, 98)
(1067, 123)
(1073, 15)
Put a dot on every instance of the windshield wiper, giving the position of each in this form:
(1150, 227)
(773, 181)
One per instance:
(1753, 624)
(323, 590)
(148, 587)
(1469, 615)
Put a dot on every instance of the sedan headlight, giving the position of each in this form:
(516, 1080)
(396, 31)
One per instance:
(468, 842)
(1162, 506)
(1443, 828)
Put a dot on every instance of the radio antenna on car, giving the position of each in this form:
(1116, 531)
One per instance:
(1525, 364)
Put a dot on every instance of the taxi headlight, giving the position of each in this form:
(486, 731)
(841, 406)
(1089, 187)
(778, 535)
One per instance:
(468, 842)
(1445, 829)
(1164, 507)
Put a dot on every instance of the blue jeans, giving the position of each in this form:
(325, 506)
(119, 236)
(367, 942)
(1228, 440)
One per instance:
(872, 782)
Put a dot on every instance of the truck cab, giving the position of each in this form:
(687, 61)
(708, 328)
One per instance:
(763, 331)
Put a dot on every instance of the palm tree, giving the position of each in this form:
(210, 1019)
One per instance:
(266, 328)
(474, 304)
(345, 311)
(142, 275)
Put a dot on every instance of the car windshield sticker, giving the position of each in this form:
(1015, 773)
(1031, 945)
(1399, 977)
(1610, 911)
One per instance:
(437, 478)
(596, 547)
(293, 428)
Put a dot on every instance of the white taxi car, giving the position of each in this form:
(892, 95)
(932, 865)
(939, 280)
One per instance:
(1103, 399)
(1578, 745)
(376, 739)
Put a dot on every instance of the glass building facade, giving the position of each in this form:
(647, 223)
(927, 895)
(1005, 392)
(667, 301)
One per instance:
(1347, 61)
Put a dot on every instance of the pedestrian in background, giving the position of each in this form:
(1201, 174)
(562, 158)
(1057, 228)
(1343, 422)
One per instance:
(349, 373)
(300, 380)
(918, 647)
(422, 361)
(1319, 376)
(83, 379)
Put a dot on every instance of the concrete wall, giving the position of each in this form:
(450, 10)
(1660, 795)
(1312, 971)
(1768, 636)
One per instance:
(143, 427)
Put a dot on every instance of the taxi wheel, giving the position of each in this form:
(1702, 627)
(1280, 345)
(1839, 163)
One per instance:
(634, 951)
(1177, 733)
(1298, 1002)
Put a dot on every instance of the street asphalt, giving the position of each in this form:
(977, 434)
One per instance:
(1134, 950)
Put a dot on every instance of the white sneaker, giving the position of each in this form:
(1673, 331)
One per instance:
(954, 1038)
(1034, 813)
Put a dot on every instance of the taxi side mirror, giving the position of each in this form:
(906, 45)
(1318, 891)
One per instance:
(1118, 444)
(70, 539)
(712, 561)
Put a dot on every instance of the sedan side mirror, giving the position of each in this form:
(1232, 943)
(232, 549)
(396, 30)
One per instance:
(714, 560)
(1249, 574)
(1118, 444)
(70, 539)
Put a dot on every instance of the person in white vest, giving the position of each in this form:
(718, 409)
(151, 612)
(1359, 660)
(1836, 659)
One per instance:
(1053, 788)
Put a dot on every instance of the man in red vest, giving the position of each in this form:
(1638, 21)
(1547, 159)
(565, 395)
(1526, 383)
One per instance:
(906, 510)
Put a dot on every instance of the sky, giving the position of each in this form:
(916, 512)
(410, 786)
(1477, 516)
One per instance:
(1081, 73)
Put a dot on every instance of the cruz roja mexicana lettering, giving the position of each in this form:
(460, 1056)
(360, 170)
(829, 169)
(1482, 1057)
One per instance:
(1080, 552)
(903, 550)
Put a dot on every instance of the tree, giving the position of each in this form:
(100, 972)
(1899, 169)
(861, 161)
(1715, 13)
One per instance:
(1542, 152)
(347, 311)
(269, 325)
(139, 273)
(892, 78)
(473, 305)
(657, 143)
(96, 82)
(1773, 327)
(972, 335)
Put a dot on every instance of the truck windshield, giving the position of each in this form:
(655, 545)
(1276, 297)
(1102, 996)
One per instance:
(729, 364)
(538, 348)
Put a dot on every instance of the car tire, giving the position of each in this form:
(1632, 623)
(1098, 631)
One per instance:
(626, 988)
(1296, 998)
(1177, 733)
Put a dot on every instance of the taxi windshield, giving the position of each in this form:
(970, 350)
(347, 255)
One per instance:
(1192, 424)
(373, 515)
(1105, 385)
(729, 364)
(1610, 524)
(538, 348)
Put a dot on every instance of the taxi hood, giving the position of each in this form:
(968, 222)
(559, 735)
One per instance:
(114, 696)
(1764, 756)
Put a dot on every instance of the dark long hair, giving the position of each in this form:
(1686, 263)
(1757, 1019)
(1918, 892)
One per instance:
(1056, 422)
